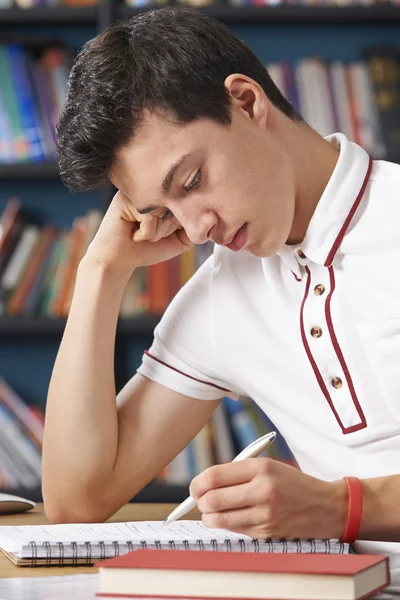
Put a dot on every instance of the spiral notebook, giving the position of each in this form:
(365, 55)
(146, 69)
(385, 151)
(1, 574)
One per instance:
(87, 543)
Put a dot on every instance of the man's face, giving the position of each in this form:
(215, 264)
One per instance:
(227, 179)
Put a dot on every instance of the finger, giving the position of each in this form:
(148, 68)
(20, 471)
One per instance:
(164, 229)
(227, 498)
(233, 520)
(184, 238)
(225, 475)
(147, 229)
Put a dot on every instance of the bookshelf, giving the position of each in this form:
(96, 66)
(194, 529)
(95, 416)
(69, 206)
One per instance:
(156, 491)
(45, 326)
(294, 15)
(45, 170)
(43, 15)
(285, 31)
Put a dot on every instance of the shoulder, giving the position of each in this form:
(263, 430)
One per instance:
(385, 173)
(220, 277)
(374, 227)
(384, 191)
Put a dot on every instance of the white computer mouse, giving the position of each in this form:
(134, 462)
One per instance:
(10, 504)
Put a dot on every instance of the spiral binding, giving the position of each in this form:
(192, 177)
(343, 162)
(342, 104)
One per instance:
(55, 555)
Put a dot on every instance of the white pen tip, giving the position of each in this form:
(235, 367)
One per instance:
(165, 522)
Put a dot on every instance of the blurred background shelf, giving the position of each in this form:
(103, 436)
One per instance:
(43, 15)
(43, 326)
(153, 492)
(296, 15)
(45, 170)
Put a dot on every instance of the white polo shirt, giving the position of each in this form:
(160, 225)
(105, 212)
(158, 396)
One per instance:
(312, 333)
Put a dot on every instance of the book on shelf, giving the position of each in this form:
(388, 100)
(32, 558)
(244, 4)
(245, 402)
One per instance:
(52, 4)
(32, 94)
(161, 573)
(360, 99)
(21, 439)
(258, 3)
(383, 66)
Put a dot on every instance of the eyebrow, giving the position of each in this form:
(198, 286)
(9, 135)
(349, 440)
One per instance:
(167, 182)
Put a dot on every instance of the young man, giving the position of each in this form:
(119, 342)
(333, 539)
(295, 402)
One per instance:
(298, 307)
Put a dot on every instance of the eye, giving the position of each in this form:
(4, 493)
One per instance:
(195, 182)
(166, 215)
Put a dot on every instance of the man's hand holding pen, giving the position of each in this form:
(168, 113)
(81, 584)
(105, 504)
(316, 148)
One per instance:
(264, 498)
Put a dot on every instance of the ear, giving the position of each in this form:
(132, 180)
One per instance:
(248, 96)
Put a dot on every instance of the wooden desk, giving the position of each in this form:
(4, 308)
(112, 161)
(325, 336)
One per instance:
(130, 512)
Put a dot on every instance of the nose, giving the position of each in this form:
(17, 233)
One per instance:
(198, 225)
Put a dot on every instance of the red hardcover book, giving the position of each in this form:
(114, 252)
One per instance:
(185, 574)
(25, 284)
(10, 220)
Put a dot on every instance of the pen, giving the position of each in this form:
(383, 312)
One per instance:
(253, 449)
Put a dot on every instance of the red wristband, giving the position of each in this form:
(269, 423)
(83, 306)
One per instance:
(355, 510)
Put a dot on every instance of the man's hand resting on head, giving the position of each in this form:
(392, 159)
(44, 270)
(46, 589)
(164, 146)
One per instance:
(264, 498)
(126, 239)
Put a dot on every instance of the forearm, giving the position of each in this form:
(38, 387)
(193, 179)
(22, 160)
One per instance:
(81, 432)
(381, 509)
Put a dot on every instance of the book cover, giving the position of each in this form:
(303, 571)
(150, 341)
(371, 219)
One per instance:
(239, 575)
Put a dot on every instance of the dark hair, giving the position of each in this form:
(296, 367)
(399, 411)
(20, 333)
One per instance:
(173, 58)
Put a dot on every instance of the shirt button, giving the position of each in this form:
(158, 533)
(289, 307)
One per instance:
(319, 289)
(316, 332)
(337, 382)
(301, 254)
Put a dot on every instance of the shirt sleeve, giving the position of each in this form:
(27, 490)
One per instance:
(183, 355)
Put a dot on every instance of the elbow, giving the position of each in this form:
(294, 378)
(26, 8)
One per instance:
(63, 513)
(57, 515)
(77, 508)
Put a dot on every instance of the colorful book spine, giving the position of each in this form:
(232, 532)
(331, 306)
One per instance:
(46, 111)
(384, 70)
(26, 417)
(20, 146)
(26, 104)
(6, 155)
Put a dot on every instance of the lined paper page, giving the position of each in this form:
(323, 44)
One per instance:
(12, 538)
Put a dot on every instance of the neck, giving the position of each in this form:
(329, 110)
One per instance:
(313, 161)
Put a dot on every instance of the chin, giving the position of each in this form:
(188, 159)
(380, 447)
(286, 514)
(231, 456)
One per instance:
(263, 250)
(258, 251)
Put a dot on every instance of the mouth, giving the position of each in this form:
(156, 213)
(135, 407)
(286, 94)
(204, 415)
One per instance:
(239, 239)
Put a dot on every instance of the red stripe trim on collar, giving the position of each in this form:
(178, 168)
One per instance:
(341, 233)
(185, 374)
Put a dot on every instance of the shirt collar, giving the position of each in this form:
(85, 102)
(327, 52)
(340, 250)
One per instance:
(336, 206)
